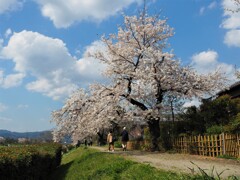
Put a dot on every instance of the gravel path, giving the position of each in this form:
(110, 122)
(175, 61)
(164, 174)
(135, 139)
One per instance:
(183, 162)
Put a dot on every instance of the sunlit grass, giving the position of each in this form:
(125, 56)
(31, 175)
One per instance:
(87, 163)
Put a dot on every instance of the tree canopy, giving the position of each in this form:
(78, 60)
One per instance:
(212, 117)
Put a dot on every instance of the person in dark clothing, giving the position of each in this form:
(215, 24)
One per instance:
(90, 141)
(78, 144)
(125, 138)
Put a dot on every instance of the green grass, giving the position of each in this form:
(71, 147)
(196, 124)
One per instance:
(87, 163)
(227, 157)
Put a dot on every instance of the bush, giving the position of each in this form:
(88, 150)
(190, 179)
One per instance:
(235, 124)
(29, 162)
(118, 144)
(146, 147)
(215, 129)
(146, 135)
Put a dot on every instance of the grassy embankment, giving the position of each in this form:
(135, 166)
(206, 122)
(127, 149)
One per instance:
(91, 164)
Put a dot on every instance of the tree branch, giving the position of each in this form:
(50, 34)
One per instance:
(134, 102)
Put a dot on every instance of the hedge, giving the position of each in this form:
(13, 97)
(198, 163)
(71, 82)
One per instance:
(29, 161)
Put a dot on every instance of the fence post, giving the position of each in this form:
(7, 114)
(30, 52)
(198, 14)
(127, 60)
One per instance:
(223, 144)
(238, 145)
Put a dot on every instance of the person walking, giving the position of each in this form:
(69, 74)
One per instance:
(110, 141)
(85, 142)
(125, 138)
(90, 141)
(78, 144)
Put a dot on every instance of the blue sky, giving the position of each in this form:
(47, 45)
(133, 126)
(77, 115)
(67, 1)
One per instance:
(44, 45)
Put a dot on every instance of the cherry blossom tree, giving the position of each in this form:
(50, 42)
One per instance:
(237, 74)
(234, 6)
(237, 3)
(143, 72)
(86, 114)
(67, 118)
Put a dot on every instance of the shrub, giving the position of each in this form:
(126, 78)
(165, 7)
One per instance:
(215, 129)
(147, 135)
(146, 147)
(118, 144)
(29, 162)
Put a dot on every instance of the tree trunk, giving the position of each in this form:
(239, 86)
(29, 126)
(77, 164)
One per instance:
(154, 130)
(101, 140)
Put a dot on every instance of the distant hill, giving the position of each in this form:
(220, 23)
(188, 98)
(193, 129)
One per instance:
(30, 135)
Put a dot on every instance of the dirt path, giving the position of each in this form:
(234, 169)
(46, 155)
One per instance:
(182, 162)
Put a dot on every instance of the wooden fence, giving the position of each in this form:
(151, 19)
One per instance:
(211, 145)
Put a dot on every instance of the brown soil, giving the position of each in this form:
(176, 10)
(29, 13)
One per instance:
(183, 162)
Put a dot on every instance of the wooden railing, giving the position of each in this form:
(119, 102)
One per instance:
(209, 145)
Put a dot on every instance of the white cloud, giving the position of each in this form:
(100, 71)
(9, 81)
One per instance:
(5, 120)
(231, 22)
(207, 61)
(1, 46)
(56, 72)
(205, 58)
(211, 6)
(8, 33)
(232, 38)
(64, 13)
(22, 106)
(2, 107)
(201, 11)
(88, 67)
(10, 5)
(11, 80)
